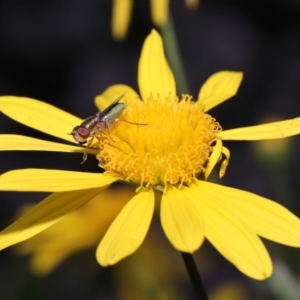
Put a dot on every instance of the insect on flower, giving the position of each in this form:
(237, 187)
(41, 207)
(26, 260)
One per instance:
(98, 122)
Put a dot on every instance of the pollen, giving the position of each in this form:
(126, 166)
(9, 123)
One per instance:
(157, 142)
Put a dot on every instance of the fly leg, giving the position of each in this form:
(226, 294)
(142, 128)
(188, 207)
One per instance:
(85, 153)
(106, 126)
(134, 123)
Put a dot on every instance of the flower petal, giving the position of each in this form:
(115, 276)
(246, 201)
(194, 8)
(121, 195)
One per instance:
(219, 87)
(266, 218)
(89, 223)
(128, 230)
(113, 92)
(229, 234)
(214, 158)
(10, 142)
(39, 115)
(275, 130)
(44, 180)
(45, 214)
(154, 73)
(181, 221)
(159, 12)
(121, 13)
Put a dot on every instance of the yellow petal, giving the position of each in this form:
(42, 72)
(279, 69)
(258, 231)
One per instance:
(154, 73)
(9, 142)
(181, 222)
(128, 230)
(39, 115)
(113, 92)
(230, 235)
(219, 87)
(43, 180)
(44, 262)
(275, 130)
(121, 14)
(89, 223)
(214, 158)
(45, 214)
(159, 12)
(266, 218)
(225, 162)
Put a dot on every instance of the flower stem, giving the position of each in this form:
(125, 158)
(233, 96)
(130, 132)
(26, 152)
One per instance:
(173, 54)
(194, 275)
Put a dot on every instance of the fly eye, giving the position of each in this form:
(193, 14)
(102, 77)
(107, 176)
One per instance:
(83, 132)
(74, 131)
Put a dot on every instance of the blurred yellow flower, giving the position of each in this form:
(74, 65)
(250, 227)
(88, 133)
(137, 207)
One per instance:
(122, 10)
(179, 142)
(81, 230)
(273, 153)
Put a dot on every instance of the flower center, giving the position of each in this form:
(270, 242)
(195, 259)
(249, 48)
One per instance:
(158, 142)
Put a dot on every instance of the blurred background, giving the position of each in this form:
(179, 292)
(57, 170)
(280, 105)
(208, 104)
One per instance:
(63, 53)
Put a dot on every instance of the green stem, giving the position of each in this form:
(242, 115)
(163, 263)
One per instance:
(194, 275)
(174, 58)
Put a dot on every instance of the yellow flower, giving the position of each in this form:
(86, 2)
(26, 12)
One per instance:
(273, 153)
(122, 9)
(81, 230)
(158, 143)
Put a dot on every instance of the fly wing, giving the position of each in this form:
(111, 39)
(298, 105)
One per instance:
(89, 122)
(103, 113)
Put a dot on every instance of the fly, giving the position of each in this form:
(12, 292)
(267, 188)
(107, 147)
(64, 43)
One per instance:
(96, 123)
